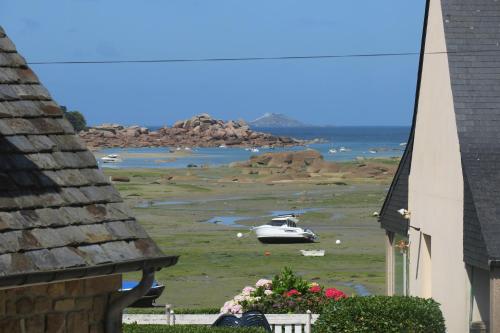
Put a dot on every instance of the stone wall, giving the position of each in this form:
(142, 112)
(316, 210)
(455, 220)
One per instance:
(76, 306)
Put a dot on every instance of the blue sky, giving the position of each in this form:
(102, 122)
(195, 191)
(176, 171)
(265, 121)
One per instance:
(354, 91)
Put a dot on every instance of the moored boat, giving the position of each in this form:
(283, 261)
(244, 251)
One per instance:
(283, 229)
(111, 158)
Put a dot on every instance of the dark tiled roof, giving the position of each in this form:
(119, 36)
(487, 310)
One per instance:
(471, 28)
(397, 197)
(57, 210)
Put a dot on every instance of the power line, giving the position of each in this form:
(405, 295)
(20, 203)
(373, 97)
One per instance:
(308, 57)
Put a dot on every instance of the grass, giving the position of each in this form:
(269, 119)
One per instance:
(215, 265)
(192, 188)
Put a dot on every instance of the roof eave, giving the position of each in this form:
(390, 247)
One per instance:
(19, 280)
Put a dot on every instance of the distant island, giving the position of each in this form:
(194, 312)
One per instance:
(276, 120)
(199, 131)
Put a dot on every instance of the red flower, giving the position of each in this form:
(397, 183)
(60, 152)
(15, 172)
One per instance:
(334, 293)
(315, 289)
(293, 292)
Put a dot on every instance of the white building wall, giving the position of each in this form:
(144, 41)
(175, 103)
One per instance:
(436, 188)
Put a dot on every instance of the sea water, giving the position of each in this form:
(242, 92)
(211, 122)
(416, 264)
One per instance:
(366, 142)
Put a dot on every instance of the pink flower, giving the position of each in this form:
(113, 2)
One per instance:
(315, 289)
(334, 293)
(227, 306)
(266, 284)
(293, 292)
(236, 309)
(247, 291)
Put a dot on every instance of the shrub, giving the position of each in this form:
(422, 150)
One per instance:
(287, 280)
(134, 328)
(75, 118)
(381, 314)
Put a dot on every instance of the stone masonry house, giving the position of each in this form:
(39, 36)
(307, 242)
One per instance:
(65, 234)
(448, 182)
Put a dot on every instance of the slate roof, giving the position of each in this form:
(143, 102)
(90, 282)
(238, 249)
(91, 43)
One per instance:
(397, 196)
(472, 32)
(59, 215)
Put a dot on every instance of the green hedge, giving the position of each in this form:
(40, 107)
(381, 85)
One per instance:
(134, 328)
(381, 314)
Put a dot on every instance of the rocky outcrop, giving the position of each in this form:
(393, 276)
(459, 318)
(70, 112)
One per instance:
(199, 131)
(307, 163)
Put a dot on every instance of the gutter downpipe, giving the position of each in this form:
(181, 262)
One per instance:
(115, 309)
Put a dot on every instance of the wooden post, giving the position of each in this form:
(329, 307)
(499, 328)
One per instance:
(389, 262)
(405, 274)
(308, 321)
(494, 300)
(167, 312)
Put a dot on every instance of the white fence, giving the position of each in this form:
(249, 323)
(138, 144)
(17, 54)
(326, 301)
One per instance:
(281, 323)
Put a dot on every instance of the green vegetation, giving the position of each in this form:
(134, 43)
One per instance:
(214, 264)
(134, 328)
(381, 314)
(75, 118)
(192, 188)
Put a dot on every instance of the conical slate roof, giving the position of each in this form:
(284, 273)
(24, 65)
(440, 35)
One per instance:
(59, 215)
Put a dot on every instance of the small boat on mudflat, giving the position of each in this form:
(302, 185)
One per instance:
(282, 230)
(111, 158)
(313, 253)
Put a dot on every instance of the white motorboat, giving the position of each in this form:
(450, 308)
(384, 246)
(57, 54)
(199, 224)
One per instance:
(332, 151)
(283, 229)
(111, 158)
(344, 149)
(223, 146)
(254, 150)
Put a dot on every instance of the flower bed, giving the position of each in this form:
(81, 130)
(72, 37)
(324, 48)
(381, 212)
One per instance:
(286, 293)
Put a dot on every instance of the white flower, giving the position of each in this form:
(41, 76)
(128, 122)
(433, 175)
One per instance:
(240, 298)
(268, 292)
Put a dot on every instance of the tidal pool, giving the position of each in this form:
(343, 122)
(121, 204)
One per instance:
(228, 220)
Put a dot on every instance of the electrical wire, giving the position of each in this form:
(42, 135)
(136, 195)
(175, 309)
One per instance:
(307, 57)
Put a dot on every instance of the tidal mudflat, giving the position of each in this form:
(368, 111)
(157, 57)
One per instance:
(174, 206)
